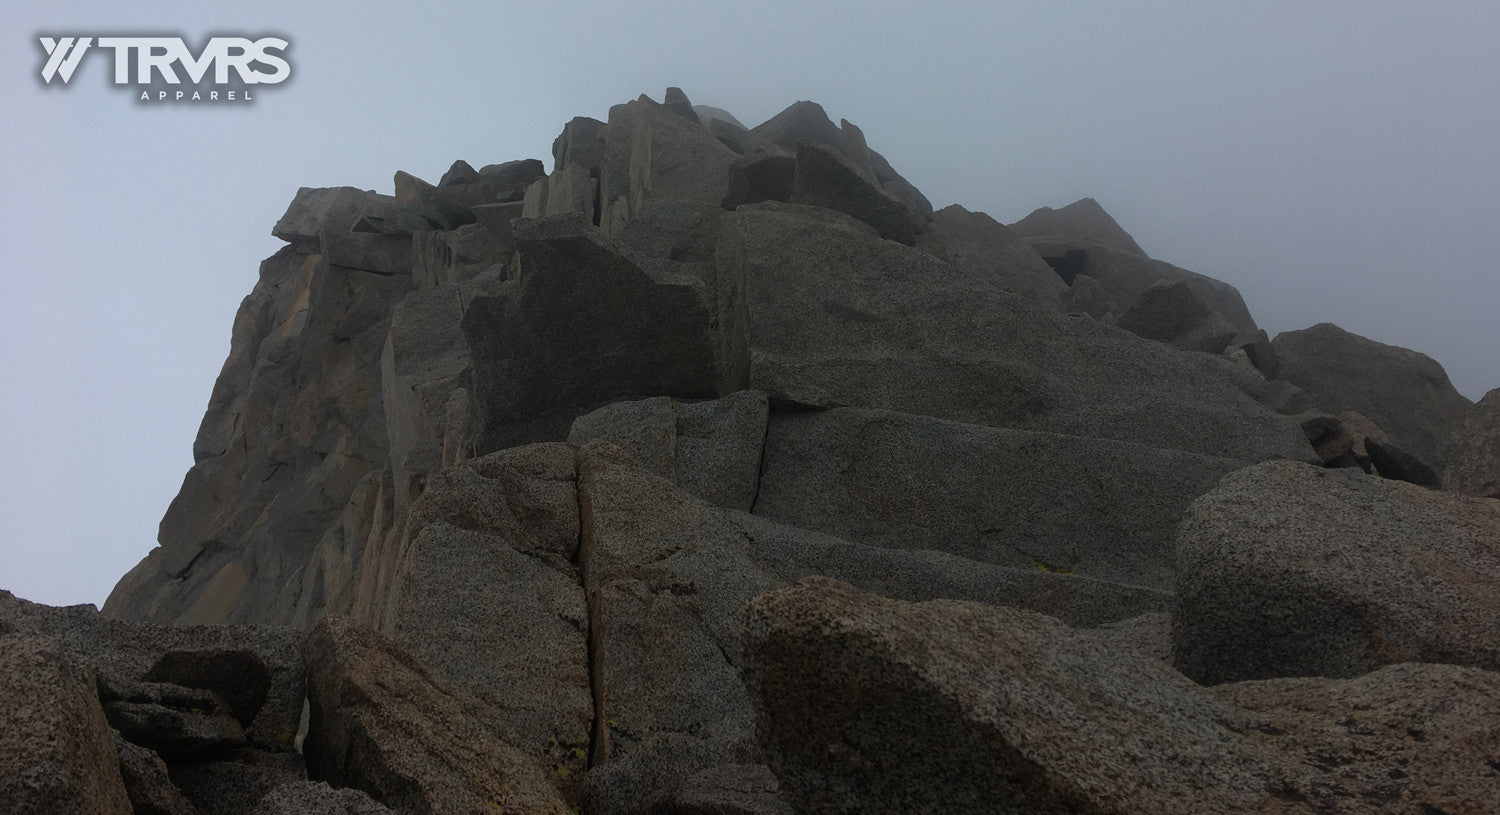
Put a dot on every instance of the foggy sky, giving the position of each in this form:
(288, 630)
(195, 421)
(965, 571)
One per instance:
(1334, 161)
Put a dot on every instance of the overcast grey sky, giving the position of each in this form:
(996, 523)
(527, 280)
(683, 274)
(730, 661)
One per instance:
(1334, 161)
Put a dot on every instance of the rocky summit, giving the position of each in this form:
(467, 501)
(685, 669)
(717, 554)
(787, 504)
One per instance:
(716, 472)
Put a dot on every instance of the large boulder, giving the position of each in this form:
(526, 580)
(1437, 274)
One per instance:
(872, 705)
(1474, 451)
(315, 209)
(588, 321)
(1083, 219)
(1405, 738)
(56, 753)
(1405, 392)
(816, 310)
(1290, 570)
(382, 723)
(1065, 504)
(976, 243)
(1172, 312)
(827, 178)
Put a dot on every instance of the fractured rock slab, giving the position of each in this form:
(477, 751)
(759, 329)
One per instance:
(826, 178)
(817, 311)
(486, 595)
(652, 153)
(1064, 504)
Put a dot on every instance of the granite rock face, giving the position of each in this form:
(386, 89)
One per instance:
(1405, 738)
(817, 311)
(711, 449)
(1059, 503)
(1290, 570)
(588, 308)
(827, 178)
(387, 726)
(316, 798)
(1018, 713)
(487, 596)
(520, 447)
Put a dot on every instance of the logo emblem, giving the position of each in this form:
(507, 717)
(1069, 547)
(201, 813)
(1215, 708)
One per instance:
(163, 68)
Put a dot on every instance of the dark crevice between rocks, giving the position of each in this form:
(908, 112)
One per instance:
(1070, 265)
(597, 733)
(182, 574)
(760, 466)
(598, 195)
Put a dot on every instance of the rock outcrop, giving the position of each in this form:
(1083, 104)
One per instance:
(519, 449)
(814, 311)
(976, 243)
(1474, 451)
(1083, 219)
(1405, 392)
